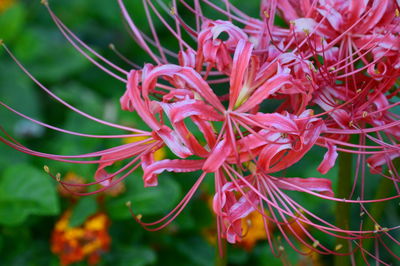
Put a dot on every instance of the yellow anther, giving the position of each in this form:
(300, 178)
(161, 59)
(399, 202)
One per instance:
(351, 124)
(1, 42)
(362, 214)
(359, 90)
(266, 14)
(111, 46)
(315, 244)
(58, 177)
(46, 169)
(338, 247)
(397, 13)
(139, 216)
(377, 228)
(364, 114)
(281, 248)
(172, 11)
(128, 204)
(44, 2)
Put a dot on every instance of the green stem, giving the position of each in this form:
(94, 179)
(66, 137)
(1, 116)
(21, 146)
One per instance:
(376, 211)
(345, 177)
(221, 260)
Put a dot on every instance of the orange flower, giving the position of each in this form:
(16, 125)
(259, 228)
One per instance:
(74, 244)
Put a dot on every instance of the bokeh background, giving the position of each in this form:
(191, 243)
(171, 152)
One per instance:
(39, 222)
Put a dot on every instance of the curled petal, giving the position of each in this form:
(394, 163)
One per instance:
(191, 107)
(236, 213)
(265, 90)
(177, 166)
(276, 121)
(329, 159)
(187, 58)
(376, 161)
(271, 154)
(217, 156)
(173, 141)
(321, 185)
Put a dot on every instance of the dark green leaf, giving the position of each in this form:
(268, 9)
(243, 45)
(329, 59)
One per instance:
(136, 256)
(24, 190)
(85, 207)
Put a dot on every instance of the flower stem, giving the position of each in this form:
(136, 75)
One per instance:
(376, 211)
(345, 177)
(220, 254)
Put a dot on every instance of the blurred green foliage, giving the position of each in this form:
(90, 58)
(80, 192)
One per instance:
(29, 203)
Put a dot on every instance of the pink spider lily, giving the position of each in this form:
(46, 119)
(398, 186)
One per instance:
(312, 65)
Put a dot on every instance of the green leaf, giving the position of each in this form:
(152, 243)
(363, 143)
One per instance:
(145, 201)
(198, 251)
(24, 190)
(85, 207)
(136, 256)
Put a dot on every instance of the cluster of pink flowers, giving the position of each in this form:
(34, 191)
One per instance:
(333, 69)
